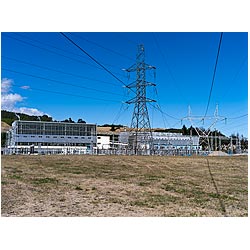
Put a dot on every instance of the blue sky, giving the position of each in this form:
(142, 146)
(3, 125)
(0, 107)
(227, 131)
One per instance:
(45, 63)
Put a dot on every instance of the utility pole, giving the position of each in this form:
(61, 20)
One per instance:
(141, 133)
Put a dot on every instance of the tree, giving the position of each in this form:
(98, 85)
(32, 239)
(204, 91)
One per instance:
(80, 121)
(3, 138)
(184, 130)
(190, 130)
(68, 120)
(112, 127)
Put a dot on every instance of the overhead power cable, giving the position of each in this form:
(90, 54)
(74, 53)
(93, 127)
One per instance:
(60, 82)
(227, 91)
(237, 117)
(85, 52)
(100, 46)
(55, 47)
(49, 45)
(68, 94)
(158, 108)
(58, 71)
(122, 35)
(236, 126)
(215, 67)
(120, 112)
(56, 53)
(168, 69)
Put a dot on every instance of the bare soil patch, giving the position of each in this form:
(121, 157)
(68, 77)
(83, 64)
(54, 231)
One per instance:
(85, 185)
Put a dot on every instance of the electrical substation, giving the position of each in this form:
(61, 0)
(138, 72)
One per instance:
(39, 137)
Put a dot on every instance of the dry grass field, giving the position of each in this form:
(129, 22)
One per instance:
(124, 186)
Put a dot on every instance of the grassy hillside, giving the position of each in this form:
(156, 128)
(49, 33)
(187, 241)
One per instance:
(4, 127)
(8, 117)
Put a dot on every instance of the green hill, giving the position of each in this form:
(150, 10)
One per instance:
(9, 117)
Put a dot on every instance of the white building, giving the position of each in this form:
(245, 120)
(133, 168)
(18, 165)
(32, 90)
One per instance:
(165, 141)
(103, 142)
(51, 138)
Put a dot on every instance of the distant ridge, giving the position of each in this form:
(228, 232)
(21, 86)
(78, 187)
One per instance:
(9, 117)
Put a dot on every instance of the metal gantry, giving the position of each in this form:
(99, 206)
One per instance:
(141, 134)
(204, 135)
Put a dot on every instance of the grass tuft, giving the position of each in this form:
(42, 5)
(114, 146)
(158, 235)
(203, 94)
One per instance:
(45, 181)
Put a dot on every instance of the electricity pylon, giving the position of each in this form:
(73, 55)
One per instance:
(204, 135)
(141, 140)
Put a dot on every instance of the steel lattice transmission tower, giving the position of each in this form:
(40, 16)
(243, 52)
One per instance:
(141, 134)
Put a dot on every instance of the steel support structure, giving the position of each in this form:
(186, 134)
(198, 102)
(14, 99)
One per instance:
(204, 135)
(141, 140)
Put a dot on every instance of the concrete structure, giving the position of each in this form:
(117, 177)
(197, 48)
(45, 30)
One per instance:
(50, 138)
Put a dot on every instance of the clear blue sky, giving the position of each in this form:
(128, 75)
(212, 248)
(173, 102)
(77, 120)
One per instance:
(184, 70)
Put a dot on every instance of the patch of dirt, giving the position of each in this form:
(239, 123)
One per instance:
(218, 153)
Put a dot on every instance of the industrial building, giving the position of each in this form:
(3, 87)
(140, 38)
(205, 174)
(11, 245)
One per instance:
(50, 138)
(163, 140)
(172, 143)
(37, 137)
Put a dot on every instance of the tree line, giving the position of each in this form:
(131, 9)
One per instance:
(9, 117)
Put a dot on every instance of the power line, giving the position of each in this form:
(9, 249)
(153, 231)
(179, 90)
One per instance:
(49, 45)
(48, 50)
(211, 89)
(91, 57)
(120, 112)
(163, 118)
(238, 117)
(237, 126)
(68, 94)
(121, 34)
(60, 82)
(168, 68)
(58, 71)
(55, 47)
(160, 109)
(233, 122)
(100, 46)
(56, 53)
(235, 76)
